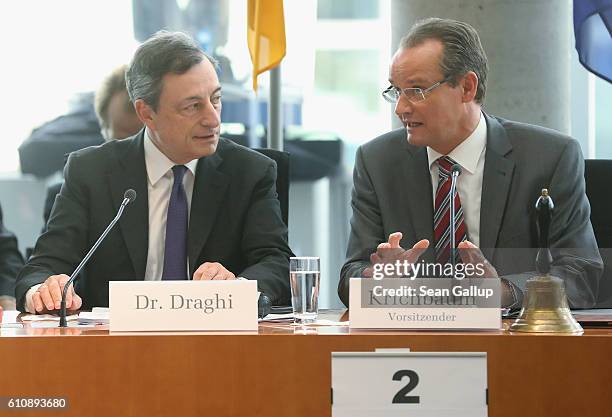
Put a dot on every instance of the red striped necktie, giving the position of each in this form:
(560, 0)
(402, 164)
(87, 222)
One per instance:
(442, 213)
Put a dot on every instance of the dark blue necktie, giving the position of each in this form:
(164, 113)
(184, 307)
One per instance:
(175, 252)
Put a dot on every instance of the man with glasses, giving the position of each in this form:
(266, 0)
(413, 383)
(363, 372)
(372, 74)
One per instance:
(401, 194)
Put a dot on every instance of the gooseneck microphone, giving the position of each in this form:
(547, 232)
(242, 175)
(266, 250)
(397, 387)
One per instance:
(128, 197)
(455, 171)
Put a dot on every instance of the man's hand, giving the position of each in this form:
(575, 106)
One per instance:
(48, 297)
(391, 251)
(212, 270)
(471, 254)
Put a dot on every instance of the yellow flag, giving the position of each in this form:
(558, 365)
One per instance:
(265, 35)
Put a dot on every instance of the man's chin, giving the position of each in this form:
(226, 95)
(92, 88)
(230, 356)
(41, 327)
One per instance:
(416, 140)
(207, 147)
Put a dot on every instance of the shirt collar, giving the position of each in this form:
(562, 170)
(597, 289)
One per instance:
(468, 152)
(158, 164)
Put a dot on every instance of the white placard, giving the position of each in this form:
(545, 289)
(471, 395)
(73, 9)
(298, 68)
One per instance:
(396, 316)
(183, 305)
(416, 384)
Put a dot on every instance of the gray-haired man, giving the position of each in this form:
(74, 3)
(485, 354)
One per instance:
(206, 208)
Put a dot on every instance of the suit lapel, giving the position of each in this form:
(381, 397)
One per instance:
(208, 192)
(131, 172)
(496, 181)
(420, 203)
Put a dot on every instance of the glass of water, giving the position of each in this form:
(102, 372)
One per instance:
(304, 277)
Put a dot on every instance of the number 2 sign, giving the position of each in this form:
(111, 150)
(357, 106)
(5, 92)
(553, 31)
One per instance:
(416, 384)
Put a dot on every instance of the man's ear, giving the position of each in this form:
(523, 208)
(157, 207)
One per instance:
(145, 113)
(469, 85)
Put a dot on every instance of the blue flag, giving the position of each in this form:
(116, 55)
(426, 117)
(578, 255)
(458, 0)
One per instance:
(593, 31)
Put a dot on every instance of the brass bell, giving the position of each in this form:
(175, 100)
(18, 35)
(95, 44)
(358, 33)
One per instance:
(545, 308)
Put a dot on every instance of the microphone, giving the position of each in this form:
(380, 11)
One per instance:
(455, 171)
(128, 197)
(264, 304)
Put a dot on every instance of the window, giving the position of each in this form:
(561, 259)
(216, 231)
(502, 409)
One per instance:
(53, 50)
(348, 9)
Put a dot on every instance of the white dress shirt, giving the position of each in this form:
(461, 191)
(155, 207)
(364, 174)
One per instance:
(470, 154)
(160, 178)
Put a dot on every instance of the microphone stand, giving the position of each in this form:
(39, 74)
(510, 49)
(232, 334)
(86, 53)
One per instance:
(455, 171)
(63, 321)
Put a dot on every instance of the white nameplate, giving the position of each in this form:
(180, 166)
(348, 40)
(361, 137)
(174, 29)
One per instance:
(183, 305)
(434, 303)
(413, 384)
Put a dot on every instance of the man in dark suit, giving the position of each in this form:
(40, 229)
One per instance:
(402, 188)
(11, 262)
(206, 208)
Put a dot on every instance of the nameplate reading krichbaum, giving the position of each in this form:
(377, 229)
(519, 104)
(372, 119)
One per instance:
(183, 305)
(425, 303)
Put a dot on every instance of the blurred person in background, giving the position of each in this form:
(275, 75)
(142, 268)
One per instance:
(117, 118)
(11, 262)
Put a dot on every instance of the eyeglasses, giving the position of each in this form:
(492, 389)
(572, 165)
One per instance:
(414, 95)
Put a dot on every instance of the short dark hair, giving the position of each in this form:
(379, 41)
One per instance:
(163, 53)
(463, 51)
(114, 83)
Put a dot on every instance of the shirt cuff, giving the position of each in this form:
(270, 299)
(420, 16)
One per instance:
(29, 303)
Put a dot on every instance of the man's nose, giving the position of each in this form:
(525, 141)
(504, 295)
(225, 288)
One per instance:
(210, 117)
(403, 106)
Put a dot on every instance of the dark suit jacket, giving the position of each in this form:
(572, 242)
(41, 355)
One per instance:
(393, 192)
(52, 192)
(11, 260)
(235, 220)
